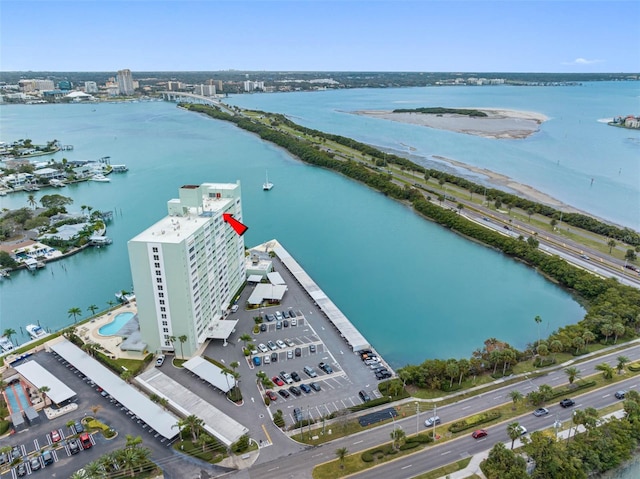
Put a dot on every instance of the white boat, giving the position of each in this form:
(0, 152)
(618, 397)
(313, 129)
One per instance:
(57, 183)
(100, 178)
(125, 297)
(266, 186)
(35, 331)
(5, 344)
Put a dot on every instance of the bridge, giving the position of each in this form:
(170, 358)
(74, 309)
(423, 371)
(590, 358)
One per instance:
(184, 97)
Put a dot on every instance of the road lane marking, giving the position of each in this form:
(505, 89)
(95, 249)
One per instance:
(497, 397)
(445, 453)
(357, 442)
(466, 407)
(606, 395)
(406, 467)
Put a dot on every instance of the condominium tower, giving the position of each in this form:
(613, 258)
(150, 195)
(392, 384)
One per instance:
(125, 82)
(187, 268)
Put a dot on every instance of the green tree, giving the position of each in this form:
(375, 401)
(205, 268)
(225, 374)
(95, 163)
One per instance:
(246, 338)
(622, 362)
(572, 373)
(126, 375)
(342, 454)
(503, 463)
(92, 308)
(183, 339)
(588, 337)
(630, 255)
(513, 431)
(607, 371)
(611, 244)
(533, 242)
(516, 397)
(8, 333)
(538, 320)
(75, 312)
(192, 424)
(556, 347)
(398, 436)
(31, 199)
(44, 390)
(618, 330)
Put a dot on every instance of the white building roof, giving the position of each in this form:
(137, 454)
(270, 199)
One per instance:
(33, 372)
(222, 427)
(254, 278)
(139, 404)
(273, 292)
(221, 329)
(347, 330)
(211, 373)
(275, 278)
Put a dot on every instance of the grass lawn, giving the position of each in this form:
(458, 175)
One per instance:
(445, 470)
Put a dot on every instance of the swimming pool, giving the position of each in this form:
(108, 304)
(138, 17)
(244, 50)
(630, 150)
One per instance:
(114, 326)
(16, 397)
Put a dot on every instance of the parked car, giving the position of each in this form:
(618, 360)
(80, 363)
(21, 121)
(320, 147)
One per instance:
(271, 317)
(271, 395)
(47, 458)
(312, 348)
(284, 393)
(315, 386)
(305, 388)
(286, 377)
(567, 402)
(297, 414)
(479, 433)
(35, 463)
(285, 314)
(55, 436)
(295, 390)
(325, 367)
(21, 470)
(620, 394)
(274, 357)
(73, 447)
(292, 313)
(277, 381)
(272, 345)
(295, 376)
(78, 426)
(281, 344)
(297, 352)
(263, 327)
(234, 308)
(85, 441)
(541, 411)
(294, 322)
(256, 361)
(432, 420)
(266, 359)
(263, 348)
(160, 360)
(364, 396)
(309, 371)
(290, 354)
(278, 324)
(15, 453)
(3, 458)
(383, 375)
(289, 342)
(279, 316)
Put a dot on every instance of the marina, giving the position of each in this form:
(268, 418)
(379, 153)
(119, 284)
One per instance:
(35, 331)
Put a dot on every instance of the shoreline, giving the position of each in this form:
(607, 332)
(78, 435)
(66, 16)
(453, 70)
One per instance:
(499, 124)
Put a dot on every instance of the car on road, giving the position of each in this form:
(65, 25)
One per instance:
(160, 360)
(272, 346)
(281, 344)
(297, 352)
(479, 433)
(620, 394)
(284, 393)
(506, 227)
(312, 348)
(295, 376)
(325, 367)
(263, 327)
(295, 390)
(522, 430)
(541, 411)
(55, 436)
(271, 395)
(584, 256)
(263, 348)
(432, 420)
(289, 342)
(315, 386)
(277, 381)
(305, 388)
(567, 402)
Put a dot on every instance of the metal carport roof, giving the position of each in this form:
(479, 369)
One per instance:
(33, 372)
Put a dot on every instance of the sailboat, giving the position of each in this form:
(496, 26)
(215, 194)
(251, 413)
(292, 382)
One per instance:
(266, 186)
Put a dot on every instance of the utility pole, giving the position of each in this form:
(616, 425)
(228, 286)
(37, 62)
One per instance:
(435, 414)
(417, 417)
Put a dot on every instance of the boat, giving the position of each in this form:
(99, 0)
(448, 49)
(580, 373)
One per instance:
(266, 186)
(100, 178)
(57, 183)
(125, 297)
(5, 344)
(35, 331)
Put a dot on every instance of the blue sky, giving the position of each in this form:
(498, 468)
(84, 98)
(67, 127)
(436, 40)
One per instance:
(306, 35)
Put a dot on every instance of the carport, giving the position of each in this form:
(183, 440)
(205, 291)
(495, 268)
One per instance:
(59, 393)
(211, 373)
(140, 405)
(269, 292)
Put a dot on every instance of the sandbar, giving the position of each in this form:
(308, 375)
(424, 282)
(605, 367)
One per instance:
(498, 124)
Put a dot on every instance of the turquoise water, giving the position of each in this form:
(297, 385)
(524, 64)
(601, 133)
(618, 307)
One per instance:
(114, 326)
(415, 290)
(17, 400)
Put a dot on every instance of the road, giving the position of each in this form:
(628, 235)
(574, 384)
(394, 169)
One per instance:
(301, 464)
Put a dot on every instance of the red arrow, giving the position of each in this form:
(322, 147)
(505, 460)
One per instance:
(235, 224)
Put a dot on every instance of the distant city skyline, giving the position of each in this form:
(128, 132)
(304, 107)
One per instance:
(308, 35)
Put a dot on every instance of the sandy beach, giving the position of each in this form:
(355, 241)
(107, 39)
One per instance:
(498, 124)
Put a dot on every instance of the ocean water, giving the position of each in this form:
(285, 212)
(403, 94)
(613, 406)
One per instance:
(573, 147)
(415, 290)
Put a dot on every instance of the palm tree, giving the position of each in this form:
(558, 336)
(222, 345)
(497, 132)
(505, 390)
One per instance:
(556, 347)
(538, 320)
(190, 423)
(126, 375)
(172, 340)
(588, 337)
(342, 454)
(622, 361)
(182, 339)
(94, 409)
(111, 303)
(8, 333)
(44, 390)
(611, 244)
(572, 373)
(513, 431)
(398, 435)
(31, 199)
(545, 391)
(133, 441)
(93, 308)
(246, 338)
(516, 397)
(618, 330)
(75, 312)
(607, 371)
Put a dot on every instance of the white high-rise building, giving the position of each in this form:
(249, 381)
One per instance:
(187, 268)
(90, 87)
(125, 82)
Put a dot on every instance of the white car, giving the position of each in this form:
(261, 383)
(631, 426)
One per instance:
(160, 360)
(522, 430)
(289, 342)
(263, 348)
(266, 359)
(432, 420)
(280, 343)
(294, 322)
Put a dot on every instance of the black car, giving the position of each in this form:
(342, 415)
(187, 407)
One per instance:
(21, 470)
(567, 402)
(325, 367)
(298, 352)
(383, 375)
(295, 376)
(285, 323)
(620, 394)
(284, 393)
(263, 327)
(295, 390)
(274, 357)
(73, 447)
(297, 414)
(364, 396)
(285, 314)
(292, 314)
(271, 317)
(305, 388)
(315, 386)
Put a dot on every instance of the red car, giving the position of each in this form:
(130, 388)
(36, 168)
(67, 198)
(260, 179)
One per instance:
(479, 433)
(271, 395)
(277, 380)
(55, 436)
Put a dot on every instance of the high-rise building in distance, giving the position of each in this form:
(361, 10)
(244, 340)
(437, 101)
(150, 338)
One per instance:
(90, 87)
(125, 82)
(187, 268)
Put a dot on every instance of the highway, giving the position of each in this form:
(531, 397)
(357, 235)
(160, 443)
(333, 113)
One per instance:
(300, 464)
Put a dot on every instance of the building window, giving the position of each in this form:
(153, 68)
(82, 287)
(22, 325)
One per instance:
(165, 330)
(157, 265)
(161, 295)
(158, 272)
(163, 309)
(156, 257)
(159, 288)
(163, 316)
(158, 280)
(155, 250)
(165, 323)
(162, 301)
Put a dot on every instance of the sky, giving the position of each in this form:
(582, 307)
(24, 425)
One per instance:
(319, 35)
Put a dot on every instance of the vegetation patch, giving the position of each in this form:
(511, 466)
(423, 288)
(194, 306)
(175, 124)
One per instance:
(474, 421)
(438, 110)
